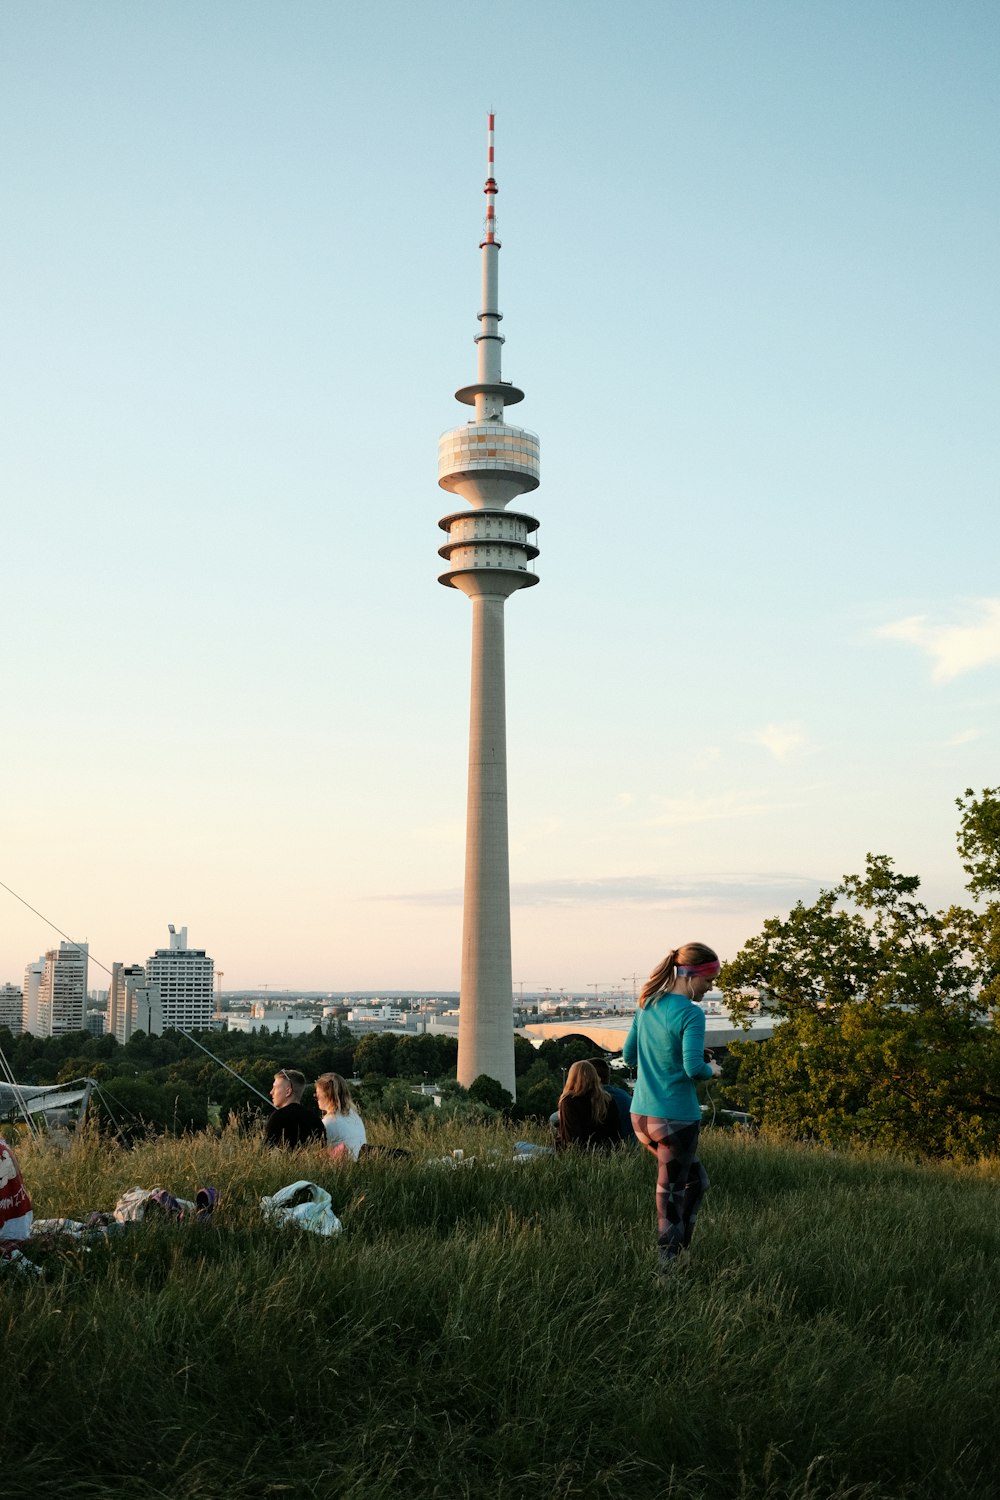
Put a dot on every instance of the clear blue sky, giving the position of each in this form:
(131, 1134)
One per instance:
(749, 286)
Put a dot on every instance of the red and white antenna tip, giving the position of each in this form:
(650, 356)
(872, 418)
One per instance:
(491, 188)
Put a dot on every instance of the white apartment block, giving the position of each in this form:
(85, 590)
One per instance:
(185, 982)
(62, 990)
(129, 1003)
(12, 1008)
(32, 979)
(147, 1012)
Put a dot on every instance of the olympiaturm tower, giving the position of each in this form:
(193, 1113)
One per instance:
(488, 463)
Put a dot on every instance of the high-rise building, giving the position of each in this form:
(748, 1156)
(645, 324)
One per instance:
(12, 1008)
(147, 1012)
(62, 990)
(32, 980)
(118, 1017)
(488, 463)
(126, 979)
(184, 980)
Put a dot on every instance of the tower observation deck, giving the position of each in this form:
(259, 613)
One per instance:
(488, 463)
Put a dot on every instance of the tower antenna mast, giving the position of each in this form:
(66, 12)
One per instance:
(487, 463)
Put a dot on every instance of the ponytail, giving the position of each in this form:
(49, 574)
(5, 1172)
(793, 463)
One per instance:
(664, 976)
(660, 979)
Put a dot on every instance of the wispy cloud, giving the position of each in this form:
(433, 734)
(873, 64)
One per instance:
(688, 812)
(955, 648)
(736, 892)
(964, 737)
(780, 739)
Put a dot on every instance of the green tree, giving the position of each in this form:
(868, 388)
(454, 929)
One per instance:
(414, 1056)
(398, 1102)
(885, 1034)
(524, 1055)
(376, 1054)
(979, 851)
(141, 1105)
(486, 1090)
(561, 1052)
(538, 1099)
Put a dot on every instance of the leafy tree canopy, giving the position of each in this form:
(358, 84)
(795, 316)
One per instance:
(487, 1090)
(888, 1034)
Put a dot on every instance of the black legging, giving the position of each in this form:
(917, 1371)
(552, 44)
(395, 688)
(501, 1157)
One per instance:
(681, 1180)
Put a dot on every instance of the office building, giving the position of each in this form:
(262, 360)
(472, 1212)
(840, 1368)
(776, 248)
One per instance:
(62, 990)
(12, 1008)
(185, 981)
(128, 1003)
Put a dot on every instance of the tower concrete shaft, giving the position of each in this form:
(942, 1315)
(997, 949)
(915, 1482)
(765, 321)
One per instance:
(488, 463)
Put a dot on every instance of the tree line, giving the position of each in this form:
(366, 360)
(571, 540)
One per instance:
(166, 1084)
(890, 1033)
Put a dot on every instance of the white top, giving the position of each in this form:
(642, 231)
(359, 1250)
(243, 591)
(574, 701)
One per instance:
(346, 1130)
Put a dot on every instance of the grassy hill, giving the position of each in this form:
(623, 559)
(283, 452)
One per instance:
(499, 1330)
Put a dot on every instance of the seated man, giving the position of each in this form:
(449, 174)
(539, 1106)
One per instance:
(15, 1202)
(291, 1124)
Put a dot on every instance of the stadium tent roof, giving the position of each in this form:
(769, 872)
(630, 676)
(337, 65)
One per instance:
(37, 1098)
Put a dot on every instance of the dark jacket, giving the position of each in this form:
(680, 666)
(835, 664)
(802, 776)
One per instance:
(577, 1126)
(293, 1125)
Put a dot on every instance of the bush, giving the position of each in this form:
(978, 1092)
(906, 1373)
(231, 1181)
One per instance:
(486, 1090)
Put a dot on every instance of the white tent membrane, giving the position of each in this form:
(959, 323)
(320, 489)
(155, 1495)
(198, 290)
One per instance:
(37, 1098)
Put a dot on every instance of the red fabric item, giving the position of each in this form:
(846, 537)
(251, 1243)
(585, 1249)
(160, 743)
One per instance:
(14, 1197)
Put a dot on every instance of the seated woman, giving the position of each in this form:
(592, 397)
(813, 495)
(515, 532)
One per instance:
(345, 1130)
(15, 1203)
(587, 1116)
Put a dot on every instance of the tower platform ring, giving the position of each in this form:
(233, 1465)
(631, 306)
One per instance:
(450, 479)
(508, 394)
(528, 548)
(523, 580)
(498, 514)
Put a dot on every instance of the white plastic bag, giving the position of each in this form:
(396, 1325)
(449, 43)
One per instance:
(313, 1211)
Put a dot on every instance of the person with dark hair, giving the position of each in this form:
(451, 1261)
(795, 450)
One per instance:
(666, 1045)
(587, 1115)
(291, 1123)
(620, 1098)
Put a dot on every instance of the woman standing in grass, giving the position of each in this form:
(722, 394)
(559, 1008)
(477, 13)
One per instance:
(587, 1115)
(345, 1129)
(666, 1045)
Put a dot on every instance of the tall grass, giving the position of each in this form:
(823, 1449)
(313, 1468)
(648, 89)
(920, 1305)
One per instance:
(499, 1330)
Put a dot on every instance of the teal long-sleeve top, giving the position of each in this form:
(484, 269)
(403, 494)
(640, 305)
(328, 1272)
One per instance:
(666, 1046)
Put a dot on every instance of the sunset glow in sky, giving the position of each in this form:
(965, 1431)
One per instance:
(749, 287)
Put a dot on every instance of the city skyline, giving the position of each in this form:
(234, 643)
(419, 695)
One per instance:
(748, 262)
